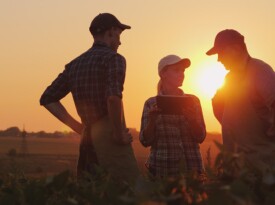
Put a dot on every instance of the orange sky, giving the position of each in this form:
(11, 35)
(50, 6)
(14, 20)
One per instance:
(39, 38)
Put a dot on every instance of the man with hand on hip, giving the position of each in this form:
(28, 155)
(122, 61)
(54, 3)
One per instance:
(96, 79)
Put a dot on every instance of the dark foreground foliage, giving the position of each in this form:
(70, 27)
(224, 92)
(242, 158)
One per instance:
(233, 180)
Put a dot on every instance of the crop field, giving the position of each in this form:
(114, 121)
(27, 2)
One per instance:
(42, 171)
(46, 156)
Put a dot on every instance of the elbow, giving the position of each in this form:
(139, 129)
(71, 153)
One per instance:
(46, 99)
(218, 116)
(144, 144)
(42, 101)
(144, 141)
(198, 131)
(203, 136)
(200, 135)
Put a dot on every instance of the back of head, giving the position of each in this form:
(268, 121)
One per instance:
(105, 21)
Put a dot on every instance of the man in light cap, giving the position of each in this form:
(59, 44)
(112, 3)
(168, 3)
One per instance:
(245, 105)
(95, 79)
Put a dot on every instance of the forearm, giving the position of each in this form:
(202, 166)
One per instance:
(115, 115)
(59, 111)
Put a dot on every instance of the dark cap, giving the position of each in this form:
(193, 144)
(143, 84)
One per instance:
(225, 38)
(105, 21)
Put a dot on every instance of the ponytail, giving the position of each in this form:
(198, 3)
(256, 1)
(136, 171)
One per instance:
(159, 88)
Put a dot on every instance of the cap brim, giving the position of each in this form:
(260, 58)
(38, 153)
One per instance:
(212, 51)
(123, 26)
(185, 62)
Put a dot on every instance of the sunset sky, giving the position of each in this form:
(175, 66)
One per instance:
(39, 37)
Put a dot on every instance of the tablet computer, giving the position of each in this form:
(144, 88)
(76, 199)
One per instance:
(174, 105)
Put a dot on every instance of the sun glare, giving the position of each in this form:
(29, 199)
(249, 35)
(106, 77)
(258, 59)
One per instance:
(210, 78)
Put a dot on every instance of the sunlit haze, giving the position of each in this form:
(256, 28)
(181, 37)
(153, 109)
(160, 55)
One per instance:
(210, 78)
(39, 37)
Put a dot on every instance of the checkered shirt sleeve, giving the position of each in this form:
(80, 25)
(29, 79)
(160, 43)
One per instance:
(116, 76)
(57, 90)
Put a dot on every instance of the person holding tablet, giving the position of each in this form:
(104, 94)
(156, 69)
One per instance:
(173, 136)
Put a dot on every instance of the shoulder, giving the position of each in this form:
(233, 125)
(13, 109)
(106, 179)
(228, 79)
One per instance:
(115, 60)
(258, 67)
(117, 56)
(193, 97)
(150, 101)
(261, 73)
(195, 101)
(79, 60)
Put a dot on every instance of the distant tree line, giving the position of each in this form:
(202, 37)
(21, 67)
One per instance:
(16, 132)
(12, 131)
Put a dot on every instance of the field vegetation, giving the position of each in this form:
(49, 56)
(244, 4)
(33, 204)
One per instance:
(41, 170)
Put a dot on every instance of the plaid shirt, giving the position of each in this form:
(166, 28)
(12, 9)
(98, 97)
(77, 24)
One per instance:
(174, 141)
(91, 78)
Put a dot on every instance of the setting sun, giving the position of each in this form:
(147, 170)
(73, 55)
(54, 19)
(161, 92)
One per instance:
(210, 78)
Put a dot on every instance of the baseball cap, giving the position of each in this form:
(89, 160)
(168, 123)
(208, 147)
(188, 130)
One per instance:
(105, 21)
(225, 38)
(173, 59)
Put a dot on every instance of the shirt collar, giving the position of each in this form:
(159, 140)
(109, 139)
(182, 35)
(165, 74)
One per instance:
(100, 44)
(179, 92)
